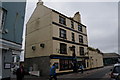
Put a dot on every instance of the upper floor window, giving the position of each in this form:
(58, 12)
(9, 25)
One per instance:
(79, 27)
(73, 49)
(73, 37)
(81, 50)
(62, 20)
(72, 24)
(3, 13)
(80, 38)
(63, 33)
(63, 48)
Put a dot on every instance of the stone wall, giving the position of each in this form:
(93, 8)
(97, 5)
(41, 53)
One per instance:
(41, 64)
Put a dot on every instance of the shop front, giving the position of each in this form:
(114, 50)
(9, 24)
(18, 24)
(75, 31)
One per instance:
(64, 63)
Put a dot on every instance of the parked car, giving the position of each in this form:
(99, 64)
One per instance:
(115, 74)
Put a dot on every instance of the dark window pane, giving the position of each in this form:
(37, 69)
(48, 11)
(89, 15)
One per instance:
(62, 20)
(63, 48)
(72, 24)
(80, 39)
(65, 64)
(81, 51)
(73, 37)
(79, 27)
(62, 33)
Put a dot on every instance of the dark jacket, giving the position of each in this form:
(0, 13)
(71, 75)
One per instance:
(53, 71)
(20, 73)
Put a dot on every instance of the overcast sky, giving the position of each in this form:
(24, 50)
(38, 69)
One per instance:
(101, 19)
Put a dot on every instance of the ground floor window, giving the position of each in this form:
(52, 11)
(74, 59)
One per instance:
(65, 64)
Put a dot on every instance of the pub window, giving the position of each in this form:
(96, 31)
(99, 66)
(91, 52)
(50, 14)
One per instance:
(72, 24)
(63, 48)
(81, 50)
(65, 64)
(62, 20)
(79, 27)
(73, 37)
(3, 14)
(80, 38)
(63, 33)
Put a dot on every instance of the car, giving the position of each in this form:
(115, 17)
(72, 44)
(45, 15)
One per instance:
(115, 74)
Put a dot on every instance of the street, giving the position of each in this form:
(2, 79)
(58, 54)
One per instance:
(95, 74)
(99, 74)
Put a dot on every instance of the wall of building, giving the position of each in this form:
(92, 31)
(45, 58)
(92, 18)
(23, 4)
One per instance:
(11, 35)
(39, 30)
(68, 22)
(56, 48)
(96, 59)
(6, 59)
(14, 21)
(55, 17)
(41, 64)
(56, 33)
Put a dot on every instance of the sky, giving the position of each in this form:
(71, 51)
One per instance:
(101, 19)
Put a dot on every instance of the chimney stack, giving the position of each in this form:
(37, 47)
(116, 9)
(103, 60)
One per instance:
(77, 17)
(40, 2)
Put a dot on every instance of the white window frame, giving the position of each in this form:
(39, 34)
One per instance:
(3, 14)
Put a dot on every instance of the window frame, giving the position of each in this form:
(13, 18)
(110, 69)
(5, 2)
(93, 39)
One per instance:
(62, 35)
(3, 15)
(65, 64)
(62, 20)
(81, 39)
(73, 36)
(81, 51)
(72, 24)
(63, 48)
(80, 28)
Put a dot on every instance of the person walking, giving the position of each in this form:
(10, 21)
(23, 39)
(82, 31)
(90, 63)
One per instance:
(81, 67)
(53, 72)
(20, 72)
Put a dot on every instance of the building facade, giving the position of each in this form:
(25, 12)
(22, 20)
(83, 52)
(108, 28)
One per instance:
(52, 37)
(95, 58)
(11, 29)
(110, 58)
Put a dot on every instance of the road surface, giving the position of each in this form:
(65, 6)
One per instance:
(96, 74)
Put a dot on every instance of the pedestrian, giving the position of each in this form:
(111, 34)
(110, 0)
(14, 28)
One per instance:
(81, 67)
(53, 72)
(20, 72)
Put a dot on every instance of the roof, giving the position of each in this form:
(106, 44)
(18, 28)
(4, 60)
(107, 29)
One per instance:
(93, 49)
(110, 55)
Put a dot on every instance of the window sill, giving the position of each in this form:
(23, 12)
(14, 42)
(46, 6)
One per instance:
(62, 24)
(63, 38)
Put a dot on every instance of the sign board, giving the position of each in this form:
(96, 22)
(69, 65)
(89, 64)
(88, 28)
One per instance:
(7, 65)
(35, 73)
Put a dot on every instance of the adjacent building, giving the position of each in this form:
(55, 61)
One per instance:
(95, 58)
(11, 29)
(52, 37)
(110, 58)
